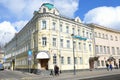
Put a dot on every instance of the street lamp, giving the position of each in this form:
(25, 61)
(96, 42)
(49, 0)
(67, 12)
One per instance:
(73, 53)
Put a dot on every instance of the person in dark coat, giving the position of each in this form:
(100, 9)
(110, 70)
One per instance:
(107, 66)
(56, 70)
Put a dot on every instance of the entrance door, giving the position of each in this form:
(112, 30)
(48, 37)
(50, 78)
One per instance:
(44, 64)
(13, 65)
(119, 63)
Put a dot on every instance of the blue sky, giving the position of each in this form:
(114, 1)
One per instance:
(14, 14)
(86, 5)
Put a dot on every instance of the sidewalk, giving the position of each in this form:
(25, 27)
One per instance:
(71, 76)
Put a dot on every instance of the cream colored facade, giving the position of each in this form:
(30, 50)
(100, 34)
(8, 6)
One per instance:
(107, 44)
(48, 36)
(1, 57)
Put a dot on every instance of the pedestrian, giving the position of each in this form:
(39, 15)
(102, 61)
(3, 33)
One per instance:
(111, 67)
(107, 66)
(51, 72)
(116, 66)
(56, 70)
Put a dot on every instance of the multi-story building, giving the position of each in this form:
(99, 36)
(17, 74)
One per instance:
(1, 56)
(107, 45)
(46, 41)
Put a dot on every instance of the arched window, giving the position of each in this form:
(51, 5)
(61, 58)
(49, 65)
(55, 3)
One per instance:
(44, 10)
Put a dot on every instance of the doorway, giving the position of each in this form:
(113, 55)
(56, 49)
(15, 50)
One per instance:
(119, 63)
(13, 65)
(44, 64)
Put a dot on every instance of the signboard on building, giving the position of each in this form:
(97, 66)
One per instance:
(29, 55)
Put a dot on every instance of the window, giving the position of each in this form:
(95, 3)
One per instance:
(54, 59)
(43, 24)
(74, 44)
(54, 42)
(44, 10)
(116, 39)
(98, 63)
(79, 45)
(54, 26)
(90, 35)
(61, 43)
(108, 50)
(54, 12)
(99, 35)
(103, 36)
(113, 50)
(68, 60)
(73, 31)
(79, 32)
(68, 44)
(106, 36)
(111, 37)
(102, 63)
(101, 49)
(81, 60)
(62, 60)
(67, 29)
(96, 49)
(44, 41)
(95, 34)
(84, 46)
(87, 35)
(83, 33)
(61, 28)
(90, 47)
(118, 50)
(104, 49)
(76, 60)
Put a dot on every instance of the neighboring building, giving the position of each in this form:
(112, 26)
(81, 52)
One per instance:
(48, 36)
(107, 45)
(1, 56)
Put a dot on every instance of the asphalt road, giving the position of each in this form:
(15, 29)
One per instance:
(111, 77)
(83, 75)
(12, 75)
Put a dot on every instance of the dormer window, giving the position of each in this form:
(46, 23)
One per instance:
(44, 10)
(53, 11)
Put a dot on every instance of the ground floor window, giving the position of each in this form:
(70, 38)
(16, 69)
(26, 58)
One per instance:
(98, 63)
(102, 63)
(62, 60)
(68, 60)
(54, 59)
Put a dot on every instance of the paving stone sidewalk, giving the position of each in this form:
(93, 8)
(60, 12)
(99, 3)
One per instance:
(70, 76)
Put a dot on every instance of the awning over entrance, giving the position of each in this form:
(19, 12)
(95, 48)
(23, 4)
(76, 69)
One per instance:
(42, 55)
(111, 59)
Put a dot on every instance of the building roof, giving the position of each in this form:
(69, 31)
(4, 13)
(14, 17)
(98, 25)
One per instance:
(48, 5)
(103, 27)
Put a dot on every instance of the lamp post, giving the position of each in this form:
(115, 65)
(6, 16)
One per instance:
(73, 54)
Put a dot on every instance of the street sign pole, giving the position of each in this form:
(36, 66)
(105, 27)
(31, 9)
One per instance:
(29, 59)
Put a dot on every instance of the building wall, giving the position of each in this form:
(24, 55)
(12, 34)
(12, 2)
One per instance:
(31, 38)
(1, 57)
(106, 40)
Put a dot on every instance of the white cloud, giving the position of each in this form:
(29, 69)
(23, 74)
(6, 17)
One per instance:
(105, 16)
(67, 7)
(25, 8)
(15, 6)
(19, 25)
(7, 32)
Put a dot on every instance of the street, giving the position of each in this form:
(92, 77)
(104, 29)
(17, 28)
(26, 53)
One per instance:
(81, 75)
(12, 75)
(111, 77)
